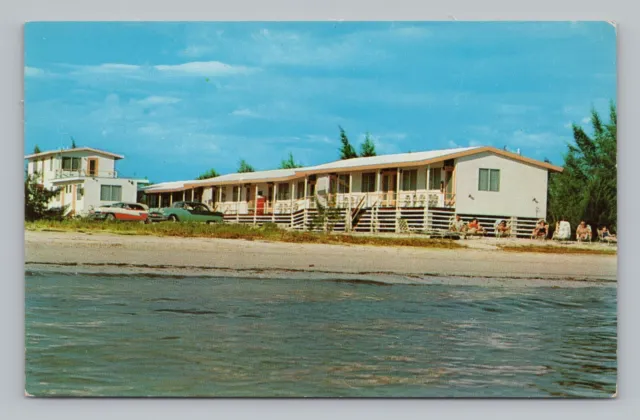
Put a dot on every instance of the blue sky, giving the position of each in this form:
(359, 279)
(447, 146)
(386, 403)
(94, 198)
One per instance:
(179, 98)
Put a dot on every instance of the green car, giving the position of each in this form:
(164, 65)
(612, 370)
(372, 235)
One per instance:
(191, 211)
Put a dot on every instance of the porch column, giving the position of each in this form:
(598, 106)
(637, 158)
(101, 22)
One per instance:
(292, 192)
(193, 193)
(397, 198)
(349, 219)
(238, 203)
(255, 205)
(171, 199)
(306, 204)
(378, 183)
(159, 200)
(184, 195)
(220, 196)
(275, 199)
(425, 221)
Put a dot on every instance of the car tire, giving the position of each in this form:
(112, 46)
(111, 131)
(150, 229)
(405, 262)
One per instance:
(173, 218)
(111, 218)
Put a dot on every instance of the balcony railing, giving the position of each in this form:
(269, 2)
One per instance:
(61, 173)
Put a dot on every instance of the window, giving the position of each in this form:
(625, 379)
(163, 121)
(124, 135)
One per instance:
(236, 194)
(343, 184)
(110, 193)
(410, 180)
(435, 177)
(369, 182)
(79, 192)
(283, 191)
(489, 180)
(300, 190)
(70, 164)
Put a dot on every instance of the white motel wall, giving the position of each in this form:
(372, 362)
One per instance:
(522, 191)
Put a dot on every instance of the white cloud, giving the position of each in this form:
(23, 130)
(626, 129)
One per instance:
(197, 50)
(203, 68)
(585, 120)
(245, 112)
(158, 100)
(33, 72)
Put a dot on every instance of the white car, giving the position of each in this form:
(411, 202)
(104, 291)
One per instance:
(131, 212)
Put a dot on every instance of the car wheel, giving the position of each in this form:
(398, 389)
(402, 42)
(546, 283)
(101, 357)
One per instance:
(111, 217)
(173, 218)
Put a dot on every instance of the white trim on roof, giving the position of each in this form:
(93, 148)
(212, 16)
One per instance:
(77, 149)
(383, 160)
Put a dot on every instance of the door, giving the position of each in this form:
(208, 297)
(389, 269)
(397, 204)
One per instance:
(93, 167)
(389, 183)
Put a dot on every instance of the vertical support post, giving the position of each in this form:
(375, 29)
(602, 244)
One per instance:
(220, 195)
(425, 220)
(255, 205)
(348, 220)
(306, 202)
(514, 227)
(171, 199)
(238, 203)
(159, 200)
(397, 199)
(275, 200)
(374, 215)
(292, 192)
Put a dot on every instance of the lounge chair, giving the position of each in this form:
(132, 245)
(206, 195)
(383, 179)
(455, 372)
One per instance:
(499, 234)
(589, 235)
(563, 231)
(610, 239)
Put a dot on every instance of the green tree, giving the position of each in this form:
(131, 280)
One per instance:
(367, 148)
(289, 163)
(211, 173)
(587, 188)
(245, 167)
(36, 199)
(36, 150)
(346, 150)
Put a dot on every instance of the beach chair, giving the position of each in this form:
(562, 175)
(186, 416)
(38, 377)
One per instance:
(563, 231)
(589, 235)
(608, 240)
(501, 234)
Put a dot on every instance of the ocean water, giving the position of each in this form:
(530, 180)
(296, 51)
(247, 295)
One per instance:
(203, 337)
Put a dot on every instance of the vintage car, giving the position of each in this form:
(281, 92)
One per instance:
(191, 211)
(130, 212)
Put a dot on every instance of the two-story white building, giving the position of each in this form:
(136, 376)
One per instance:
(87, 178)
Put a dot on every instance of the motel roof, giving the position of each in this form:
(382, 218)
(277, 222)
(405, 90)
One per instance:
(239, 178)
(163, 187)
(415, 159)
(346, 165)
(76, 149)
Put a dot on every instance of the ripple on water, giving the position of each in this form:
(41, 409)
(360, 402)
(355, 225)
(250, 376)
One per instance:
(124, 336)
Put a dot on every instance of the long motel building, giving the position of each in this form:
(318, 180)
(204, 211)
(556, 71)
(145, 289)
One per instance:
(418, 191)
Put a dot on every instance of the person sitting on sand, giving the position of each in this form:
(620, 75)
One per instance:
(607, 236)
(457, 225)
(583, 232)
(475, 227)
(541, 230)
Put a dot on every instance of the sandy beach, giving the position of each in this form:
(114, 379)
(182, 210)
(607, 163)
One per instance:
(479, 263)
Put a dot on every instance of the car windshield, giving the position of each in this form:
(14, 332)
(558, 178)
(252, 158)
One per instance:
(199, 207)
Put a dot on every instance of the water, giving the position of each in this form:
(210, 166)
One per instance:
(125, 336)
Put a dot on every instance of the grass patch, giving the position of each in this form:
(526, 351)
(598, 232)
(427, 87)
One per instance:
(558, 250)
(267, 232)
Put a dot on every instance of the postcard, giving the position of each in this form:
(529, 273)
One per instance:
(320, 209)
